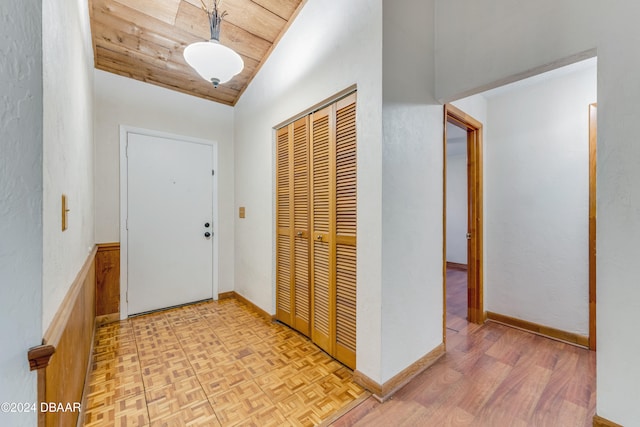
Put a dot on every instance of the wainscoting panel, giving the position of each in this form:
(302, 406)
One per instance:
(108, 282)
(63, 357)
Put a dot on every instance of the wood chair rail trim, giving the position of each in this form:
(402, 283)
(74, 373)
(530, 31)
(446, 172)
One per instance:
(59, 322)
(39, 356)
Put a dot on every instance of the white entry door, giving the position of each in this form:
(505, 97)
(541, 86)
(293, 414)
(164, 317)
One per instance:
(170, 222)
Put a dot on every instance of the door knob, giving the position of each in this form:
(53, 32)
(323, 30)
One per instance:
(206, 225)
(299, 234)
(207, 234)
(319, 237)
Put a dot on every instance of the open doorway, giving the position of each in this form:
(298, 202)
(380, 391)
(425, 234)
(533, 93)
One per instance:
(463, 219)
(539, 201)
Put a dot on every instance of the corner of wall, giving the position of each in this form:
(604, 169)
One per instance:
(21, 195)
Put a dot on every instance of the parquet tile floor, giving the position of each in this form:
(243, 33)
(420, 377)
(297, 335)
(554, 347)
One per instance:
(491, 376)
(212, 364)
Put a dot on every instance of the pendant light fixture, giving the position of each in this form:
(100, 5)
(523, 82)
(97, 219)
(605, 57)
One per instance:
(213, 61)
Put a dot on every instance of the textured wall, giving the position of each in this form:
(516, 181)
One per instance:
(122, 101)
(67, 146)
(411, 188)
(473, 54)
(618, 213)
(485, 44)
(20, 201)
(537, 201)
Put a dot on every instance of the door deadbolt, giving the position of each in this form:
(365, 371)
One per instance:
(206, 225)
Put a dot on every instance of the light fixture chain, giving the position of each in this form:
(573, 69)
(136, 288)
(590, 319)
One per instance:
(215, 17)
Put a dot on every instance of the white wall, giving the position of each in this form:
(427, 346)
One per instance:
(537, 201)
(457, 194)
(330, 46)
(20, 201)
(618, 213)
(473, 54)
(411, 189)
(123, 101)
(67, 147)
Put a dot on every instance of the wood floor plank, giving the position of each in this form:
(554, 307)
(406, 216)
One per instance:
(491, 375)
(221, 364)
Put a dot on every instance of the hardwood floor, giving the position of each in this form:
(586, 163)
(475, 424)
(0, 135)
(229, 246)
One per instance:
(491, 375)
(212, 364)
(456, 300)
(221, 364)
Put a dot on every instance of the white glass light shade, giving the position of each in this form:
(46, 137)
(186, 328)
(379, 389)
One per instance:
(214, 62)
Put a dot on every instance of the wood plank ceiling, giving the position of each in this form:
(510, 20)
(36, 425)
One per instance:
(144, 40)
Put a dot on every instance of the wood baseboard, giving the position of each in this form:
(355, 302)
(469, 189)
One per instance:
(254, 307)
(546, 331)
(603, 422)
(383, 392)
(107, 318)
(70, 336)
(457, 266)
(226, 295)
(87, 378)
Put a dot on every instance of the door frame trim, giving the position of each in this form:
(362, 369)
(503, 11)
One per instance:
(124, 179)
(593, 133)
(475, 261)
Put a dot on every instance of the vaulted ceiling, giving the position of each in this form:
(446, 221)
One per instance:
(144, 40)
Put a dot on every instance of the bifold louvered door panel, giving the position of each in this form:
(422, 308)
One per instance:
(316, 228)
(283, 229)
(301, 285)
(322, 271)
(346, 231)
(333, 163)
(292, 211)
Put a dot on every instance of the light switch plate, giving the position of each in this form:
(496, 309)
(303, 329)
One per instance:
(241, 212)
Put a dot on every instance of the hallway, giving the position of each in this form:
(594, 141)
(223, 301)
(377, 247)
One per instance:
(491, 375)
